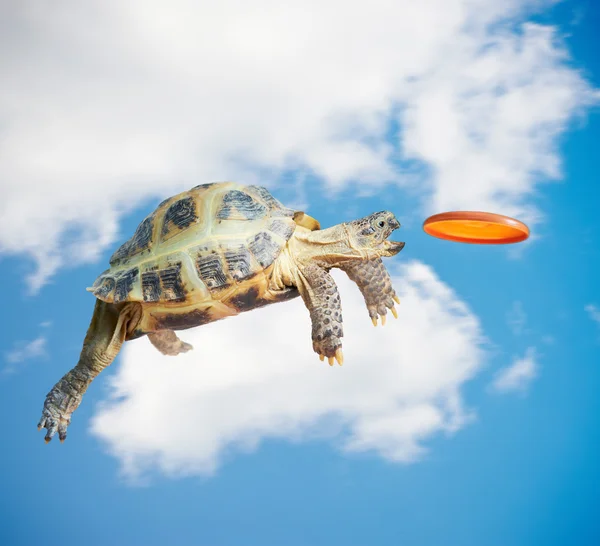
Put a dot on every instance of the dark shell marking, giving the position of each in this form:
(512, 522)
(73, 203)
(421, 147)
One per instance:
(151, 286)
(103, 287)
(264, 248)
(124, 285)
(276, 208)
(239, 263)
(183, 321)
(286, 294)
(180, 214)
(210, 270)
(163, 284)
(238, 205)
(251, 299)
(281, 228)
(171, 283)
(205, 186)
(139, 242)
(246, 300)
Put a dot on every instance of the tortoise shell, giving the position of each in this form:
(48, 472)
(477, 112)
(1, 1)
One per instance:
(198, 245)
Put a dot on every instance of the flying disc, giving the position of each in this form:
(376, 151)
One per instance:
(476, 227)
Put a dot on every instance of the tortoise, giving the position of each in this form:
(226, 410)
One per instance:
(213, 252)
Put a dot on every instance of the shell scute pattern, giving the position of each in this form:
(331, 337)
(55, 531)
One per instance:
(125, 282)
(240, 262)
(151, 289)
(103, 287)
(264, 248)
(238, 205)
(178, 216)
(211, 270)
(198, 246)
(171, 283)
(168, 280)
(276, 208)
(206, 186)
(140, 242)
(282, 228)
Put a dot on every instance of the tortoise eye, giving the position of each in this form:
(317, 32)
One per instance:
(379, 222)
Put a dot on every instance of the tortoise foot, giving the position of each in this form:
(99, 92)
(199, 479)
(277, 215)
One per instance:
(60, 403)
(379, 308)
(167, 342)
(330, 348)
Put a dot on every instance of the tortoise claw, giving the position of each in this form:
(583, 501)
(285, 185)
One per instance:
(379, 309)
(337, 356)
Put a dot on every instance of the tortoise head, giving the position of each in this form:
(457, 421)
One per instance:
(363, 239)
(369, 234)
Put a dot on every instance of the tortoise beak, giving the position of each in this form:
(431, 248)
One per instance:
(394, 247)
(393, 223)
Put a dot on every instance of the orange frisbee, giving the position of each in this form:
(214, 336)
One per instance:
(476, 227)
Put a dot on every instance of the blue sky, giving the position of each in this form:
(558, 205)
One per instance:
(473, 419)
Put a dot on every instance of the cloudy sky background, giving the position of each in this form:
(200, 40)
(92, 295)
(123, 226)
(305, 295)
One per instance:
(472, 419)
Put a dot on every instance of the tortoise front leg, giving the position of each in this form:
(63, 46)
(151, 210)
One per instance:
(375, 284)
(321, 297)
(108, 329)
(167, 342)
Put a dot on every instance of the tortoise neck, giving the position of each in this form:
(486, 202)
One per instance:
(329, 247)
(335, 235)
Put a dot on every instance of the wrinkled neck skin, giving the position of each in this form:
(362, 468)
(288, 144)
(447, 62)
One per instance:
(331, 247)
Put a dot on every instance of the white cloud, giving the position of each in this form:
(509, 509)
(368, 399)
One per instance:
(104, 105)
(516, 318)
(593, 312)
(255, 377)
(22, 351)
(519, 375)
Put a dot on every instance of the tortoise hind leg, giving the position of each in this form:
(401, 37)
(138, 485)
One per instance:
(167, 342)
(107, 331)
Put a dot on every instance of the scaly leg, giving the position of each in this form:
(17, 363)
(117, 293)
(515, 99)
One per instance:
(167, 342)
(375, 284)
(108, 329)
(321, 297)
